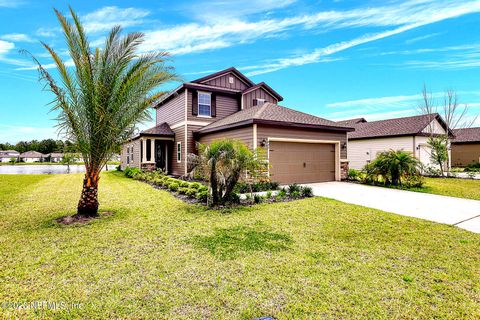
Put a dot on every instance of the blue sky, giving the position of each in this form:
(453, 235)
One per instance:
(335, 59)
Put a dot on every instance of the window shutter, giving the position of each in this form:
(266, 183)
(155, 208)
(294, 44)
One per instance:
(213, 105)
(254, 102)
(194, 103)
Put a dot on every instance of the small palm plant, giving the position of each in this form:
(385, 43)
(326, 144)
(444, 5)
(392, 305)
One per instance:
(101, 98)
(394, 165)
(222, 164)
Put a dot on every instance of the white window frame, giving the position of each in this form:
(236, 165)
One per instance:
(179, 152)
(198, 104)
(131, 154)
(260, 102)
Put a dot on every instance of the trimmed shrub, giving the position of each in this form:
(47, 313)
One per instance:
(295, 194)
(234, 198)
(184, 184)
(353, 174)
(183, 190)
(129, 172)
(307, 192)
(173, 186)
(257, 198)
(269, 194)
(191, 192)
(195, 185)
(293, 188)
(202, 196)
(473, 167)
(413, 181)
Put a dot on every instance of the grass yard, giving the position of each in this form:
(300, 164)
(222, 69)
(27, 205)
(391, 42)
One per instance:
(460, 188)
(158, 257)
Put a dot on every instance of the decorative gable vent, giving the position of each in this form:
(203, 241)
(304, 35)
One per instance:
(230, 80)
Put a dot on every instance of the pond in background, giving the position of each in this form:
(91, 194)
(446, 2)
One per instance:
(44, 169)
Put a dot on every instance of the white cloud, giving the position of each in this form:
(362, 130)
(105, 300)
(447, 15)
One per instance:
(106, 18)
(6, 46)
(13, 134)
(17, 37)
(420, 38)
(48, 32)
(11, 3)
(68, 63)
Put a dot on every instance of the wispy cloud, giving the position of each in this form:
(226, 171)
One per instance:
(11, 3)
(17, 37)
(106, 18)
(12, 133)
(420, 38)
(6, 46)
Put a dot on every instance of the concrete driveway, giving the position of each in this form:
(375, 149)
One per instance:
(462, 213)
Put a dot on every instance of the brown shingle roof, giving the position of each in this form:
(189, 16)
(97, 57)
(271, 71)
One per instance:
(393, 127)
(160, 130)
(273, 114)
(350, 122)
(466, 135)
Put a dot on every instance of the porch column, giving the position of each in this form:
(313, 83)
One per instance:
(144, 151)
(152, 150)
(166, 157)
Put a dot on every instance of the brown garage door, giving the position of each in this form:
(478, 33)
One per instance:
(301, 162)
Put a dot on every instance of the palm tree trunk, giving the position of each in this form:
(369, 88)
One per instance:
(88, 204)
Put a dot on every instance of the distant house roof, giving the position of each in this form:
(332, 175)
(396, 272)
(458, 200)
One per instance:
(272, 114)
(352, 121)
(394, 127)
(32, 154)
(9, 151)
(466, 135)
(55, 155)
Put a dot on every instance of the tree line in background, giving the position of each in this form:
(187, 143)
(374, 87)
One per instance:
(43, 146)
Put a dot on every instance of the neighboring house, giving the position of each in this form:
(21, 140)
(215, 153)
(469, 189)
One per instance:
(299, 147)
(55, 157)
(409, 134)
(466, 146)
(6, 155)
(32, 156)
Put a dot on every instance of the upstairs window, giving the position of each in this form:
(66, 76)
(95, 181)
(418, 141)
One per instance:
(204, 104)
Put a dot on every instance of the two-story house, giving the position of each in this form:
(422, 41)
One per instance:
(300, 147)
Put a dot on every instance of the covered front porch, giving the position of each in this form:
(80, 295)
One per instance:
(156, 147)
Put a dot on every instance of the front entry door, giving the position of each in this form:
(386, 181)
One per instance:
(160, 155)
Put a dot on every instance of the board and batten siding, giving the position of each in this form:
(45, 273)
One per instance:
(224, 82)
(173, 111)
(265, 132)
(244, 134)
(136, 154)
(259, 93)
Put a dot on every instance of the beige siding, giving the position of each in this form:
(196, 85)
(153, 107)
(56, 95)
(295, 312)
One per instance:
(265, 132)
(244, 134)
(224, 82)
(176, 168)
(259, 93)
(173, 111)
(360, 152)
(136, 154)
(465, 153)
(434, 127)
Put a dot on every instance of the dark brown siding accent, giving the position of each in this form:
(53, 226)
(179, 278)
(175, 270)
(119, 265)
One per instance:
(194, 102)
(173, 111)
(259, 93)
(244, 134)
(264, 132)
(465, 153)
(223, 81)
(213, 104)
(225, 106)
(175, 168)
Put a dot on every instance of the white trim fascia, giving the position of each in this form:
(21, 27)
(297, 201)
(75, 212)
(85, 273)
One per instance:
(186, 129)
(254, 136)
(335, 142)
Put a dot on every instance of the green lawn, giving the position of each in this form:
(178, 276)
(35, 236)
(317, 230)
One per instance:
(158, 257)
(460, 188)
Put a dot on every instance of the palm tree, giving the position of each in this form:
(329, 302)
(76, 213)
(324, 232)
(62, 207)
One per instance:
(101, 98)
(393, 165)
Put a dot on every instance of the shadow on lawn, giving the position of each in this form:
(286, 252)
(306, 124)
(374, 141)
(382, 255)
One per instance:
(228, 243)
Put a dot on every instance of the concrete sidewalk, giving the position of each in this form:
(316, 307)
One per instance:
(463, 213)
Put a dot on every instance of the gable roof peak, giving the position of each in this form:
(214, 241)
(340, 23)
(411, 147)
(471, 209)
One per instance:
(222, 72)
